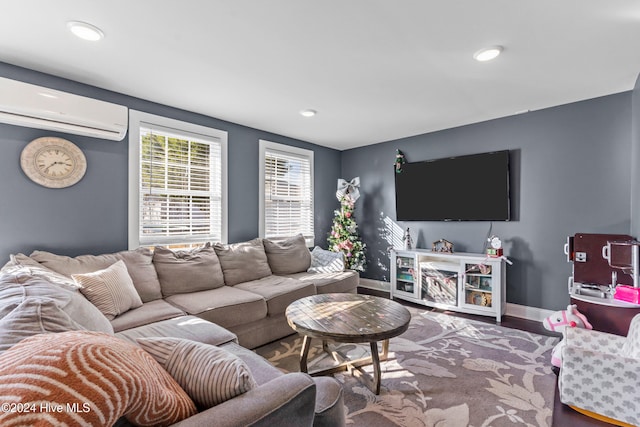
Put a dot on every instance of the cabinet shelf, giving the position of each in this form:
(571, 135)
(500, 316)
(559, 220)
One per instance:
(470, 288)
(464, 282)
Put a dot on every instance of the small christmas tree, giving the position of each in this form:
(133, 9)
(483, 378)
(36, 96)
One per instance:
(344, 235)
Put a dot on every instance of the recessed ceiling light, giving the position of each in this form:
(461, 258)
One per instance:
(308, 112)
(85, 31)
(487, 54)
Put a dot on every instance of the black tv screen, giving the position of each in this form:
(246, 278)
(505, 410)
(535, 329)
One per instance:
(464, 188)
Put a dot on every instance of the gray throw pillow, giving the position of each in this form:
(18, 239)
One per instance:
(187, 271)
(324, 261)
(288, 256)
(20, 284)
(243, 262)
(33, 316)
(23, 263)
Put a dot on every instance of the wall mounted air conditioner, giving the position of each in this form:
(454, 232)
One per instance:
(38, 107)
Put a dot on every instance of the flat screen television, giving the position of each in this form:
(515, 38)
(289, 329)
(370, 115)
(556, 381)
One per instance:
(463, 188)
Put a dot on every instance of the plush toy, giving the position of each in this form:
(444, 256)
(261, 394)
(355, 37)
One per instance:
(558, 322)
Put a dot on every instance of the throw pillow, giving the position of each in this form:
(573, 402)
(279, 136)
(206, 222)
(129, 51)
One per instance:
(21, 262)
(111, 290)
(95, 378)
(243, 262)
(210, 375)
(16, 286)
(20, 284)
(33, 316)
(183, 271)
(287, 256)
(323, 261)
(139, 264)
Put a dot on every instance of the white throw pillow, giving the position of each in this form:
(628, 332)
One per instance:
(323, 261)
(111, 289)
(210, 375)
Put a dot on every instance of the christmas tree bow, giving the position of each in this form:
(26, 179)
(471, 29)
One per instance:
(348, 188)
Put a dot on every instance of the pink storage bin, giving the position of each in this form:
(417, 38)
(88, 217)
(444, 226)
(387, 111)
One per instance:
(627, 293)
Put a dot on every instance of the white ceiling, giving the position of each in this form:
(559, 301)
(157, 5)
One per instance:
(375, 70)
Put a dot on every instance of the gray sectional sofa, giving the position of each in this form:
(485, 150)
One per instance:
(233, 296)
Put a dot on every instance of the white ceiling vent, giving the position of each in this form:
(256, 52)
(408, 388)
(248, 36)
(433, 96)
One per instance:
(38, 107)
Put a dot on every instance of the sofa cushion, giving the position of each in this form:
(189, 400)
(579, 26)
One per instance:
(243, 261)
(254, 334)
(187, 327)
(209, 374)
(111, 290)
(323, 261)
(185, 271)
(341, 281)
(139, 264)
(149, 312)
(106, 376)
(287, 256)
(226, 306)
(278, 291)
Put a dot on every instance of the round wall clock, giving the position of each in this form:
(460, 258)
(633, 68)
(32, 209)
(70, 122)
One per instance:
(53, 162)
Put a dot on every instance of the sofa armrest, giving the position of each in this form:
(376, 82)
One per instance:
(601, 382)
(287, 400)
(594, 340)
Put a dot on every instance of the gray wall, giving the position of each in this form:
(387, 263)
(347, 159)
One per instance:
(570, 173)
(635, 159)
(91, 216)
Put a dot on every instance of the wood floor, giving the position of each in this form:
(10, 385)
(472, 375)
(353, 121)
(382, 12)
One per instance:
(563, 416)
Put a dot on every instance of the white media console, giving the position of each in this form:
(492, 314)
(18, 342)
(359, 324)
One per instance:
(464, 282)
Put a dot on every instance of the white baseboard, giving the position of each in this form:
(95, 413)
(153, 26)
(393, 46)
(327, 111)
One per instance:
(514, 310)
(377, 285)
(526, 312)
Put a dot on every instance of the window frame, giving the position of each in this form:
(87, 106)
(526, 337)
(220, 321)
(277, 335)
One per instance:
(138, 119)
(264, 147)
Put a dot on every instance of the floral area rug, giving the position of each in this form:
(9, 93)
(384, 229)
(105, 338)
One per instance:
(444, 371)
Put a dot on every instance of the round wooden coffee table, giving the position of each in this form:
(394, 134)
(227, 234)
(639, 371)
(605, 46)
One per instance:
(348, 318)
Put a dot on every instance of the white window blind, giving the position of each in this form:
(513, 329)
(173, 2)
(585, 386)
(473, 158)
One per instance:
(287, 201)
(181, 191)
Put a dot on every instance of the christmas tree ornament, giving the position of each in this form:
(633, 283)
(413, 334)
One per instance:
(399, 161)
(348, 188)
(408, 242)
(442, 245)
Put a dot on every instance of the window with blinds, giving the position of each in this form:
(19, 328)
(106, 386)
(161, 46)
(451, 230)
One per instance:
(286, 199)
(181, 187)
